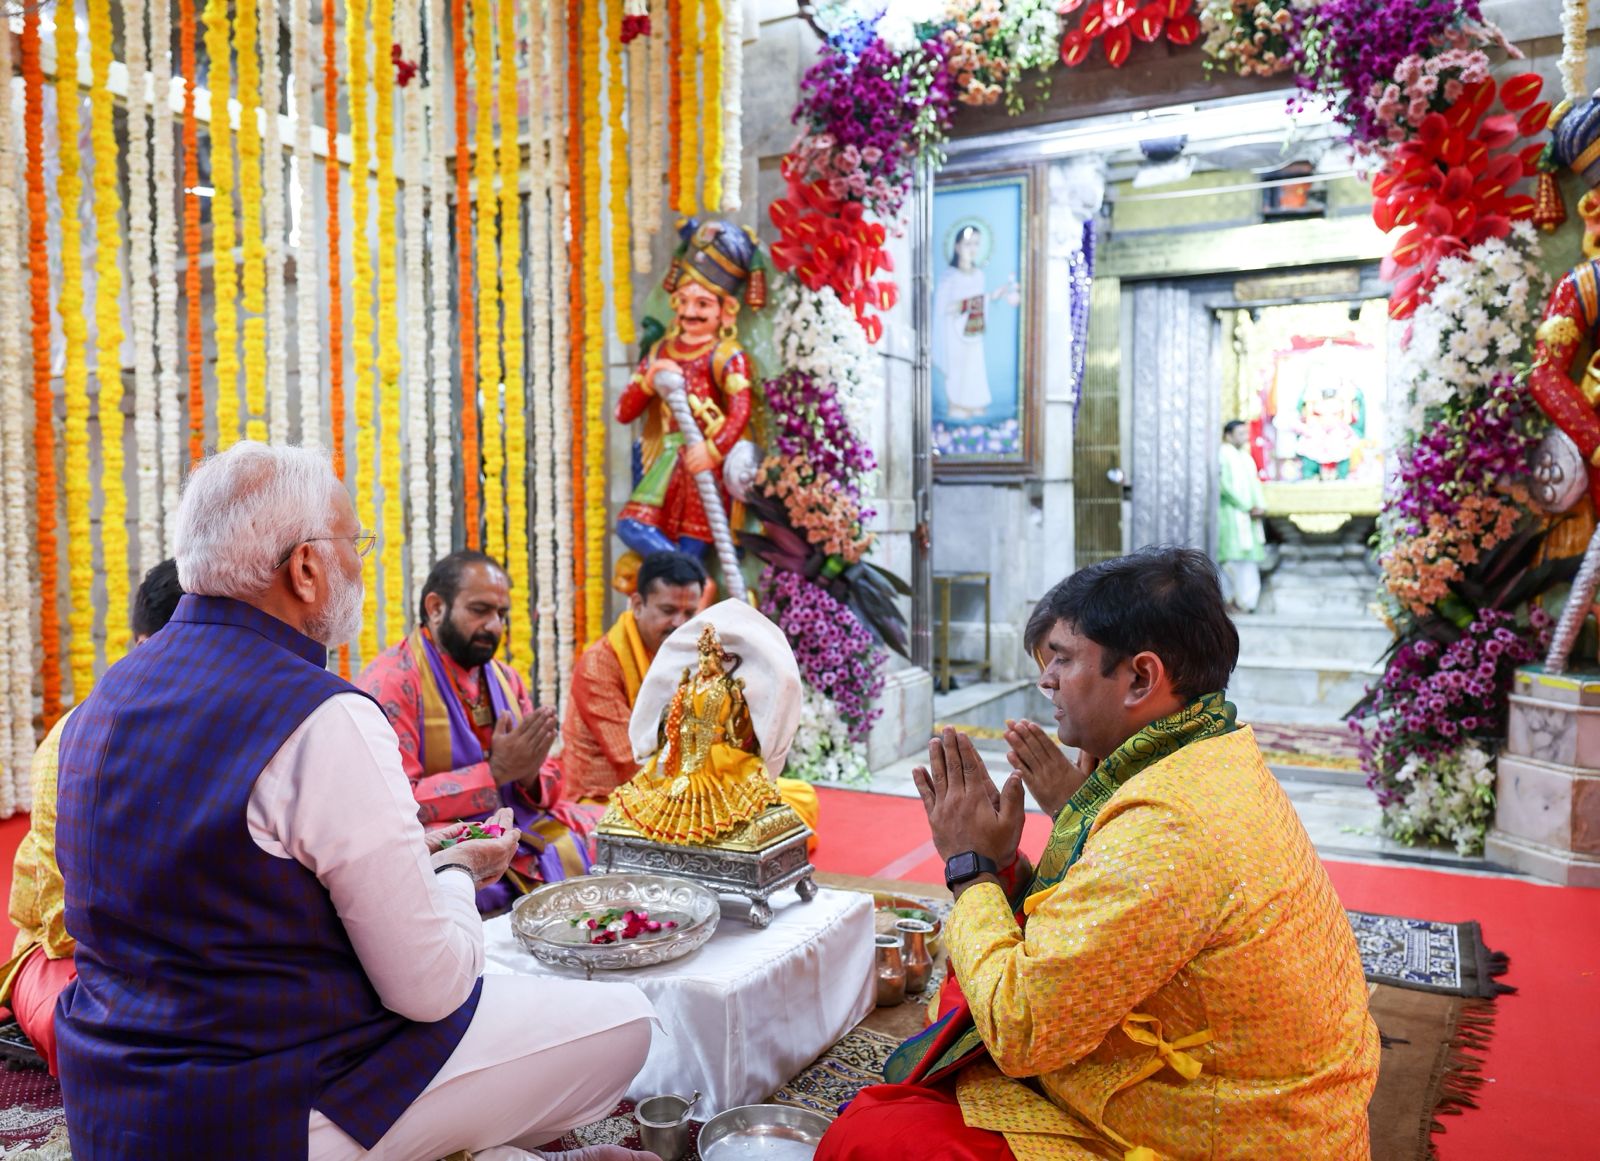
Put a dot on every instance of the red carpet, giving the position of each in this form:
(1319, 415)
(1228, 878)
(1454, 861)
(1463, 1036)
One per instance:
(1540, 1098)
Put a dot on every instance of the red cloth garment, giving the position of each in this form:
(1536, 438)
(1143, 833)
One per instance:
(40, 980)
(908, 1122)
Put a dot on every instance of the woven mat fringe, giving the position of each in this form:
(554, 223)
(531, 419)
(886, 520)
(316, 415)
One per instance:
(1460, 1078)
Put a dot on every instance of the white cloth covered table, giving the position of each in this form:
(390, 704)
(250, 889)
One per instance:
(750, 1009)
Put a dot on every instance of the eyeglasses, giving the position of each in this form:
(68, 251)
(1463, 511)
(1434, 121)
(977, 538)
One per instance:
(362, 542)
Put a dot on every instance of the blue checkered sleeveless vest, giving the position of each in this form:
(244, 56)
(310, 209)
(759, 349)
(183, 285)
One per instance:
(218, 999)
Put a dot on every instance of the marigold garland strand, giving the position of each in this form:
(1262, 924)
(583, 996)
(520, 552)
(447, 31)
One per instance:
(392, 540)
(361, 321)
(414, 148)
(617, 176)
(594, 433)
(489, 296)
(308, 335)
(330, 114)
(277, 370)
(193, 339)
(44, 443)
(439, 287)
(542, 598)
(75, 371)
(168, 380)
(564, 595)
(141, 290)
(675, 70)
(464, 288)
(224, 270)
(578, 211)
(254, 282)
(511, 295)
(108, 335)
(711, 103)
(689, 60)
(16, 628)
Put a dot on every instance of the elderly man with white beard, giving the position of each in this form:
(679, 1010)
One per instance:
(272, 960)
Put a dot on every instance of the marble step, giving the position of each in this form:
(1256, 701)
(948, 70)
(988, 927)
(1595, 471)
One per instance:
(1316, 600)
(1360, 640)
(1299, 690)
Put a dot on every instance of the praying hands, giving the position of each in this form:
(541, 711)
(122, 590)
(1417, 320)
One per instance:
(520, 748)
(965, 811)
(1050, 776)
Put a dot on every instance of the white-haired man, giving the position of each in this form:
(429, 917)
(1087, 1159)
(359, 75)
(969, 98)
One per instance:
(271, 961)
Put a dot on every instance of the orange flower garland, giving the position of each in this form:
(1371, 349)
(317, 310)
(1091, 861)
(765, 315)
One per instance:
(711, 102)
(355, 29)
(511, 291)
(392, 540)
(330, 112)
(224, 271)
(44, 443)
(254, 282)
(578, 208)
(75, 374)
(689, 54)
(617, 176)
(674, 103)
(191, 239)
(483, 93)
(469, 326)
(594, 301)
(108, 339)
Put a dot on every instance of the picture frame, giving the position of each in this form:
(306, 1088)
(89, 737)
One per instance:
(987, 295)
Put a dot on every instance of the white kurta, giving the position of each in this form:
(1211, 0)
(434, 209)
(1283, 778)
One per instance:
(959, 306)
(540, 1056)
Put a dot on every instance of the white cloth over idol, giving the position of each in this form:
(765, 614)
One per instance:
(767, 666)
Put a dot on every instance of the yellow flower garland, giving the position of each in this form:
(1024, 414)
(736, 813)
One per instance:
(516, 419)
(75, 375)
(688, 61)
(224, 271)
(251, 199)
(108, 333)
(494, 508)
(711, 104)
(361, 305)
(616, 100)
(393, 530)
(594, 431)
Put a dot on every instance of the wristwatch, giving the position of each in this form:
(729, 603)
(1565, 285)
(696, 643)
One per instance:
(966, 866)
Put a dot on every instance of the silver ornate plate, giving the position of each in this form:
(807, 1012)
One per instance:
(552, 921)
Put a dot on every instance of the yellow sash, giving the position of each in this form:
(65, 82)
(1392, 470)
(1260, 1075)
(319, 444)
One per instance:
(625, 642)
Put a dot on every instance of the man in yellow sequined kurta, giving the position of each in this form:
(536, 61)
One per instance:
(1177, 979)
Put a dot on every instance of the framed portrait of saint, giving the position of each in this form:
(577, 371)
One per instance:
(985, 294)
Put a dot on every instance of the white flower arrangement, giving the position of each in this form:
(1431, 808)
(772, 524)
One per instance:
(1476, 322)
(440, 272)
(169, 383)
(414, 147)
(141, 288)
(308, 328)
(816, 333)
(897, 27)
(16, 608)
(274, 230)
(822, 750)
(1451, 798)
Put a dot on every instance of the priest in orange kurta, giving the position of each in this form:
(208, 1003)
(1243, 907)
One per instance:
(1176, 979)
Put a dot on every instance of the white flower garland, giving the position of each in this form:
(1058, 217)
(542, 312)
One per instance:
(1476, 322)
(308, 328)
(816, 333)
(655, 148)
(172, 413)
(1575, 49)
(273, 226)
(732, 105)
(16, 609)
(141, 290)
(639, 149)
(541, 439)
(443, 351)
(413, 146)
(822, 750)
(561, 332)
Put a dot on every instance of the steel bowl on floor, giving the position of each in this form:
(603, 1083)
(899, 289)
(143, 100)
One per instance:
(767, 1132)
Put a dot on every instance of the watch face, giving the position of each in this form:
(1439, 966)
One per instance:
(962, 866)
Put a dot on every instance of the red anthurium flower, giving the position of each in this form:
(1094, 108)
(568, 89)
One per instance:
(1534, 120)
(1520, 92)
(1118, 22)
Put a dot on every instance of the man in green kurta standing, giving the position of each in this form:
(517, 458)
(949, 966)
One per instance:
(1241, 543)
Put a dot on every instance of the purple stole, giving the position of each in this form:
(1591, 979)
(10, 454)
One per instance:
(549, 849)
